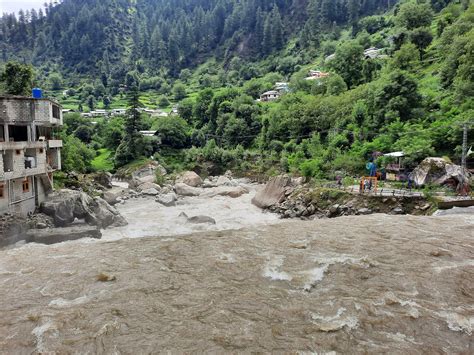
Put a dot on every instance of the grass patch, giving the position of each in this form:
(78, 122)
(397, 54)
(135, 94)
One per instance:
(103, 161)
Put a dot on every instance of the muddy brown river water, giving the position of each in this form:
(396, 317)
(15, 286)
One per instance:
(367, 284)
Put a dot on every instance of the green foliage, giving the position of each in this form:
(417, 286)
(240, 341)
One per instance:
(163, 102)
(225, 54)
(132, 145)
(17, 79)
(173, 131)
(335, 85)
(55, 81)
(103, 161)
(348, 63)
(406, 58)
(76, 156)
(179, 91)
(413, 15)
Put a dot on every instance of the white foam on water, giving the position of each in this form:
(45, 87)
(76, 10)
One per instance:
(313, 276)
(457, 322)
(63, 303)
(334, 323)
(148, 218)
(452, 265)
(272, 269)
(39, 332)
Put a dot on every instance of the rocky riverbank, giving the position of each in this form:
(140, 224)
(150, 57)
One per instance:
(292, 199)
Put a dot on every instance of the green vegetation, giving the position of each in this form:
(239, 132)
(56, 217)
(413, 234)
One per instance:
(104, 161)
(213, 59)
(16, 79)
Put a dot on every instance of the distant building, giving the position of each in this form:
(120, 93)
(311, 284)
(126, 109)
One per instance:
(369, 53)
(30, 151)
(330, 57)
(118, 111)
(270, 96)
(174, 111)
(373, 53)
(317, 74)
(98, 113)
(148, 133)
(282, 87)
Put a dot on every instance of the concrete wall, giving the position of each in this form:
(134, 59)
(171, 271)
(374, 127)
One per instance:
(38, 151)
(27, 110)
(5, 199)
(24, 202)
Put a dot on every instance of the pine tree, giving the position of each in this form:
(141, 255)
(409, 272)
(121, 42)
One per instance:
(131, 146)
(277, 29)
(267, 42)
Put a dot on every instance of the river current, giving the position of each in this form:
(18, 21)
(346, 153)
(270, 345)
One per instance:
(250, 283)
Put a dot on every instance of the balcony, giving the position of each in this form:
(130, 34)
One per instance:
(21, 145)
(10, 175)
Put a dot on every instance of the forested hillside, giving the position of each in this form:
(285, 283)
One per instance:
(164, 36)
(397, 76)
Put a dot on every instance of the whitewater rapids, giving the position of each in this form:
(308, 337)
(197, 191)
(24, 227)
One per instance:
(377, 284)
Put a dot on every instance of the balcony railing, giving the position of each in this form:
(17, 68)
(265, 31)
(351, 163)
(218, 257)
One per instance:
(21, 145)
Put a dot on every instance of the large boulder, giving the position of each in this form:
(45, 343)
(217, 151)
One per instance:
(113, 195)
(438, 171)
(190, 178)
(150, 192)
(102, 215)
(104, 179)
(60, 206)
(273, 193)
(224, 181)
(146, 175)
(147, 186)
(201, 220)
(151, 169)
(150, 179)
(186, 190)
(230, 191)
(65, 206)
(168, 199)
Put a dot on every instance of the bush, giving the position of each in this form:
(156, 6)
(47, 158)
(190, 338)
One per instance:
(163, 102)
(174, 131)
(76, 156)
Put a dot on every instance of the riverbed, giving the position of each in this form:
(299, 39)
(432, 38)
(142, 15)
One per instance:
(149, 218)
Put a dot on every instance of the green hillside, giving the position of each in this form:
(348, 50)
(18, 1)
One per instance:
(396, 76)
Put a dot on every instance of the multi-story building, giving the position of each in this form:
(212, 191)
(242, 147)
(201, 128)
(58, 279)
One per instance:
(30, 151)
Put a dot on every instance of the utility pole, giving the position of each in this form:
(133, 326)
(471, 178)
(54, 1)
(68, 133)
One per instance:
(464, 148)
(463, 159)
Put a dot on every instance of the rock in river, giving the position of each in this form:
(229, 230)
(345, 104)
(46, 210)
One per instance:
(190, 178)
(58, 235)
(167, 200)
(273, 192)
(67, 205)
(186, 190)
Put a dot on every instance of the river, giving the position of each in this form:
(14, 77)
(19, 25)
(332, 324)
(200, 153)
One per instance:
(360, 284)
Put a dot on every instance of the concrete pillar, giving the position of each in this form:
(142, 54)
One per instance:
(33, 133)
(28, 132)
(7, 134)
(58, 152)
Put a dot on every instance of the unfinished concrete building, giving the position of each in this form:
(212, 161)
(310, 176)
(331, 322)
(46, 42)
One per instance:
(30, 151)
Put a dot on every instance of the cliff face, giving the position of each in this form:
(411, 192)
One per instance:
(356, 284)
